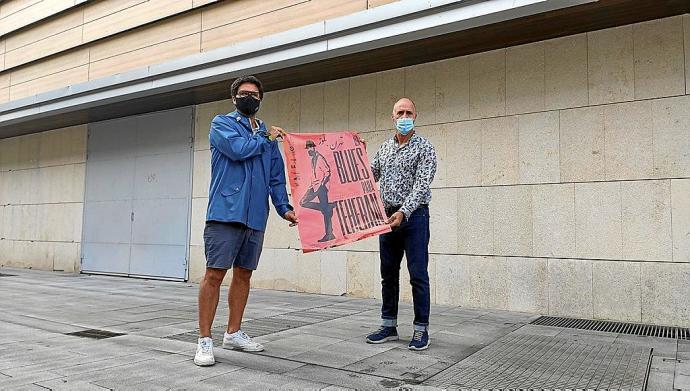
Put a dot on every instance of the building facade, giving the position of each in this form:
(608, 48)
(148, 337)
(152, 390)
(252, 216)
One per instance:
(562, 130)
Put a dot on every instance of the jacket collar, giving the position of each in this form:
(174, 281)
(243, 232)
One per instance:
(244, 120)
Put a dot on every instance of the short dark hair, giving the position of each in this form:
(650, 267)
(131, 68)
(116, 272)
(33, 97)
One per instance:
(246, 79)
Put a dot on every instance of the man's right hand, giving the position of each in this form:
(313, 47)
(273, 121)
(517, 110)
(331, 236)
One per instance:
(291, 217)
(396, 219)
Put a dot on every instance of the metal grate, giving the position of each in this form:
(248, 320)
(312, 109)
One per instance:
(647, 330)
(95, 334)
(541, 362)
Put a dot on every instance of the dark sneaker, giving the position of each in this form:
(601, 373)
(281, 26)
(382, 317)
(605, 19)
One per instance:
(420, 340)
(383, 334)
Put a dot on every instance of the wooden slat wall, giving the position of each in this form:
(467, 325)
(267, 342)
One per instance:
(281, 19)
(2, 54)
(376, 3)
(161, 52)
(134, 16)
(4, 87)
(16, 14)
(180, 26)
(49, 82)
(198, 3)
(8, 7)
(86, 43)
(69, 60)
(103, 8)
(228, 12)
(67, 21)
(94, 21)
(54, 44)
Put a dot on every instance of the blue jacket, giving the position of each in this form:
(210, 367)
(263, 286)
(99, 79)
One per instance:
(245, 169)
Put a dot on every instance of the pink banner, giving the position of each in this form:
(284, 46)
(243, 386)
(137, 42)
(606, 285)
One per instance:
(333, 190)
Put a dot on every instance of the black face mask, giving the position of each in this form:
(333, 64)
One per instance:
(247, 105)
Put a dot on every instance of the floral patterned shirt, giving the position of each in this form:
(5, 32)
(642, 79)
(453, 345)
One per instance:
(405, 173)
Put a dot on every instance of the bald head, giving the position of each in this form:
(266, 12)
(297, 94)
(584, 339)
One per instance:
(404, 107)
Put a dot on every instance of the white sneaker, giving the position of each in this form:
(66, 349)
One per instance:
(204, 352)
(240, 340)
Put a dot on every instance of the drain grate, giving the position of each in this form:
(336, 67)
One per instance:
(95, 334)
(7, 275)
(647, 330)
(541, 362)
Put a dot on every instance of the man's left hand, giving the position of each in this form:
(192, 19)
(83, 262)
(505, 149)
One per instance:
(276, 132)
(291, 217)
(396, 219)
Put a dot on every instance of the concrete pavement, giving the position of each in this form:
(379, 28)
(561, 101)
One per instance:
(312, 342)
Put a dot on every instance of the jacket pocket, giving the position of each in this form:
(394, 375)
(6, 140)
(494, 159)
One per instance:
(233, 183)
(231, 189)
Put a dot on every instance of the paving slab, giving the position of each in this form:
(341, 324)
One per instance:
(343, 378)
(68, 385)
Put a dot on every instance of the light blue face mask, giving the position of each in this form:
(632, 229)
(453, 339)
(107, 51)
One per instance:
(404, 125)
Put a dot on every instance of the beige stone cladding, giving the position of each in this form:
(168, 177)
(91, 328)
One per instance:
(41, 199)
(563, 184)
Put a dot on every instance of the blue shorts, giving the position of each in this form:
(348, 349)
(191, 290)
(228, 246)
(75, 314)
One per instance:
(229, 245)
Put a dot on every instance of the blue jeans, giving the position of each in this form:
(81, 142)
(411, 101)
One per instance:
(412, 239)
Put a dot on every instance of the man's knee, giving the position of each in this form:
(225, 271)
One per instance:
(390, 277)
(214, 277)
(241, 274)
(419, 278)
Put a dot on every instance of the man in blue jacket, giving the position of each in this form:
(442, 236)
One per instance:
(246, 167)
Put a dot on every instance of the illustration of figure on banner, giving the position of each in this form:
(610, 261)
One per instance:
(320, 176)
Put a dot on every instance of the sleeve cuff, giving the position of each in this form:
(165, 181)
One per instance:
(284, 209)
(406, 212)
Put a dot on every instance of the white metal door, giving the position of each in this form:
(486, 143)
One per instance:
(138, 195)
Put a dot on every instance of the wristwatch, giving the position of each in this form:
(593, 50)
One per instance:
(267, 135)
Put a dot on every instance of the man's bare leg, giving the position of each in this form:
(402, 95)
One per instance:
(237, 297)
(209, 293)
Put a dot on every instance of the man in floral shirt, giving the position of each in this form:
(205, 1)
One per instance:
(405, 166)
